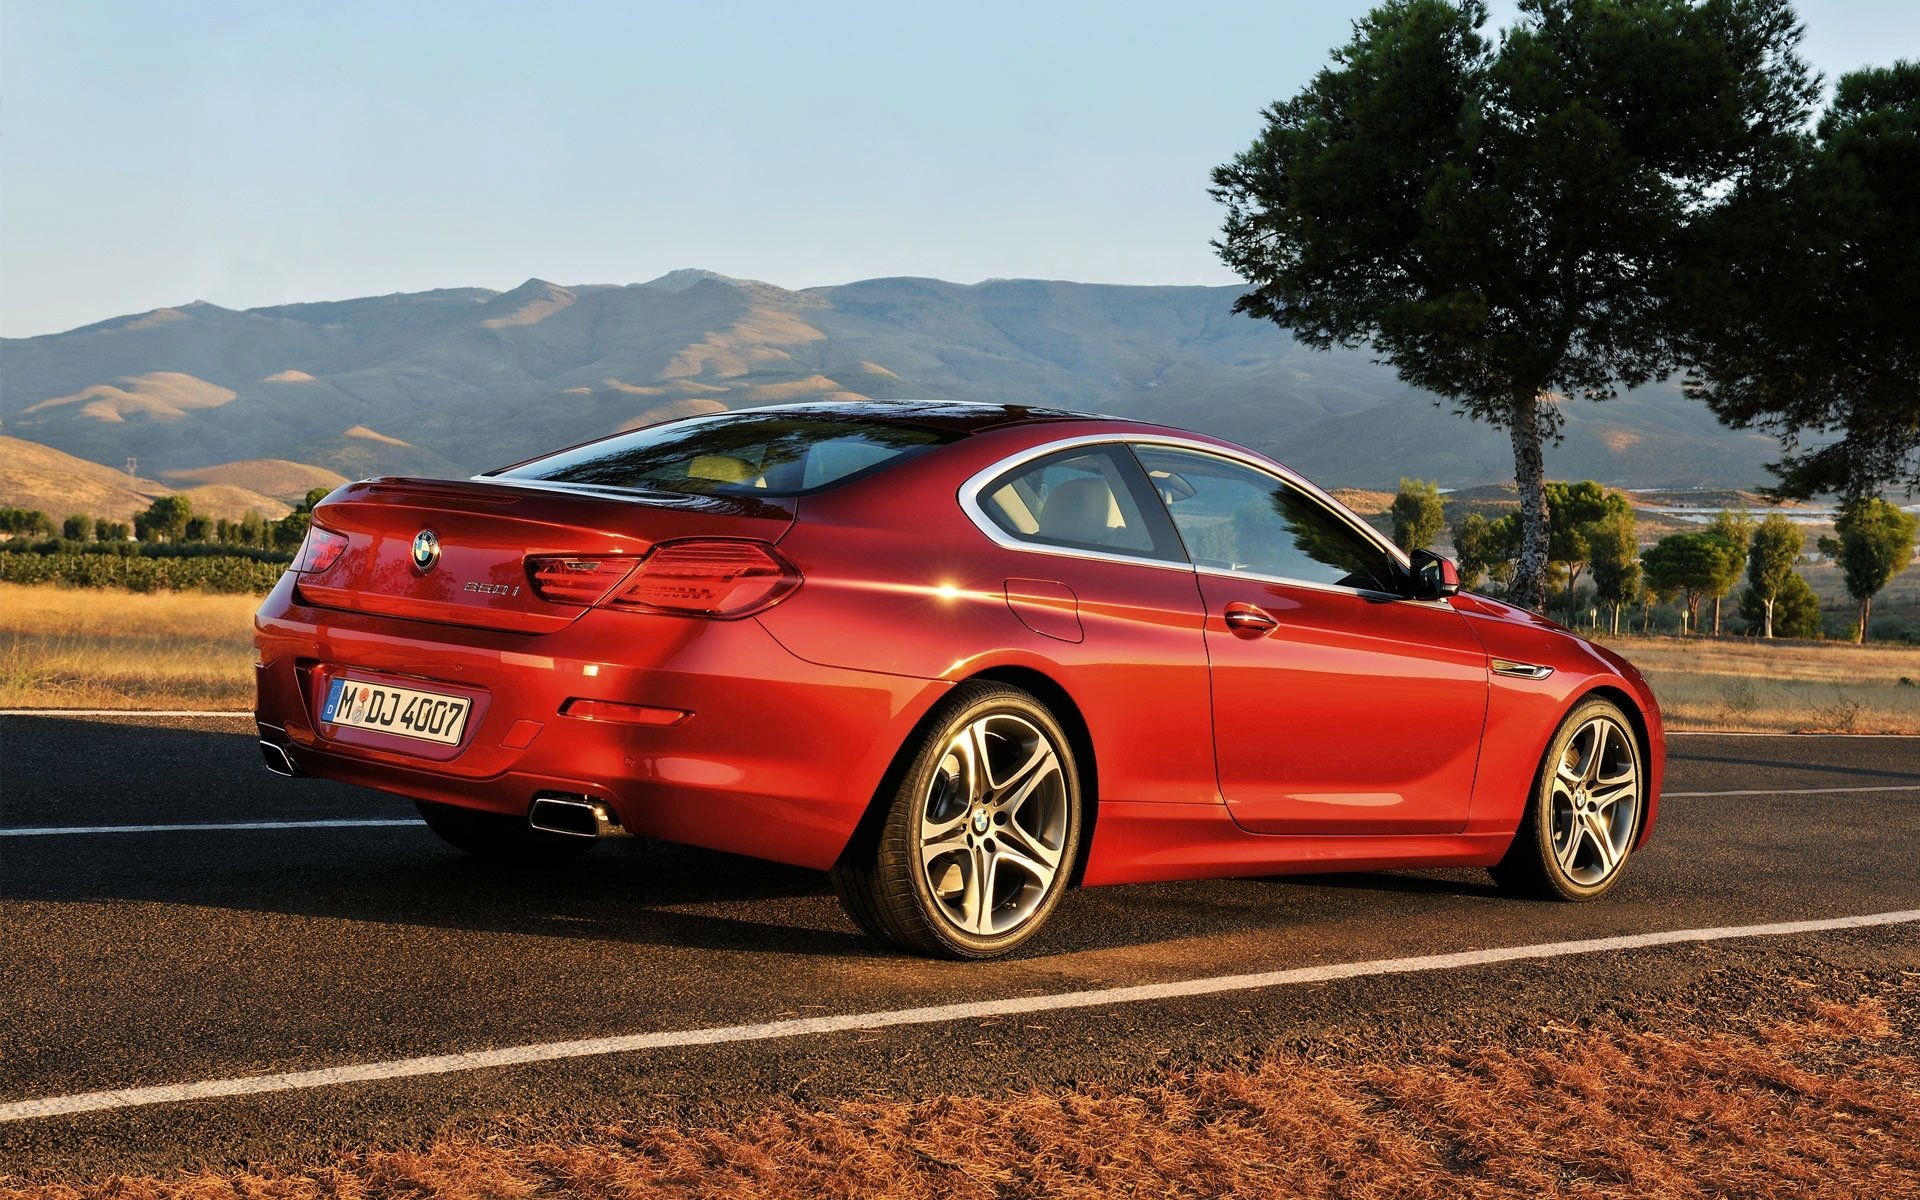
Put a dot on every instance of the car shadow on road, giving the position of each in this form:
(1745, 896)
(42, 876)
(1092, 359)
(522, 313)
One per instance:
(1852, 769)
(73, 772)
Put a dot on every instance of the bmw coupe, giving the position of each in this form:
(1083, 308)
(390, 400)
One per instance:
(963, 657)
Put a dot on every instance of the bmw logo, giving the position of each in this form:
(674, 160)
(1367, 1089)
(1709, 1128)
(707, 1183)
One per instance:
(426, 550)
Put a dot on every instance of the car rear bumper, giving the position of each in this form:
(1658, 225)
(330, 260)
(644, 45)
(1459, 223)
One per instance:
(775, 757)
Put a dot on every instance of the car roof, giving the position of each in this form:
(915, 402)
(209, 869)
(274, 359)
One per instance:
(958, 416)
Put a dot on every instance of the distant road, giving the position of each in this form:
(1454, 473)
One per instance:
(315, 944)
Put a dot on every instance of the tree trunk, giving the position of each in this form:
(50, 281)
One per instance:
(1768, 622)
(1528, 586)
(1866, 614)
(1573, 577)
(1716, 616)
(1616, 620)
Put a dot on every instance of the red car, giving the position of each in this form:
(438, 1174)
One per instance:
(962, 656)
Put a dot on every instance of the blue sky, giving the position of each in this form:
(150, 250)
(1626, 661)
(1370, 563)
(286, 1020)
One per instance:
(250, 153)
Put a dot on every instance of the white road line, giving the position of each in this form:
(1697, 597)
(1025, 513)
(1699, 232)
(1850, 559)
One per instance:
(1892, 787)
(122, 712)
(60, 830)
(475, 1060)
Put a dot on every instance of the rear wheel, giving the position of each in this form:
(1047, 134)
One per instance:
(1585, 810)
(975, 844)
(497, 837)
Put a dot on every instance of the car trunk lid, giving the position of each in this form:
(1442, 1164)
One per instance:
(482, 533)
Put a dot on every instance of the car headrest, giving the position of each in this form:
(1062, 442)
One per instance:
(1077, 511)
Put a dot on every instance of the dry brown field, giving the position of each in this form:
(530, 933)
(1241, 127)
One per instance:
(1744, 684)
(1814, 1095)
(96, 648)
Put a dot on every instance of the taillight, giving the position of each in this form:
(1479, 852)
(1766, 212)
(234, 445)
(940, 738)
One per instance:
(698, 577)
(321, 549)
(573, 580)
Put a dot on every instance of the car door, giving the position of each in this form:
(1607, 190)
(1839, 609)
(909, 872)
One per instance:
(1102, 576)
(1339, 705)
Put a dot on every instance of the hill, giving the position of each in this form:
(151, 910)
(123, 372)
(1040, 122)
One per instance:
(275, 477)
(39, 477)
(461, 379)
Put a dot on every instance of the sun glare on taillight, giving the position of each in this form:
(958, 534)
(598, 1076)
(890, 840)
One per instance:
(708, 579)
(321, 549)
(576, 579)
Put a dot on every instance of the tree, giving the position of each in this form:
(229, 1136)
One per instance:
(1794, 611)
(77, 527)
(1573, 509)
(197, 529)
(1693, 564)
(1736, 530)
(25, 521)
(1501, 221)
(166, 517)
(252, 530)
(1873, 543)
(1801, 310)
(1655, 591)
(289, 531)
(1775, 548)
(1418, 516)
(314, 496)
(1474, 548)
(1614, 555)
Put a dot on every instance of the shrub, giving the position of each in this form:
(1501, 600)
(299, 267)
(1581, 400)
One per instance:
(143, 573)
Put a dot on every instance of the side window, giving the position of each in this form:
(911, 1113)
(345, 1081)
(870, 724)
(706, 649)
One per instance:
(1087, 499)
(1235, 518)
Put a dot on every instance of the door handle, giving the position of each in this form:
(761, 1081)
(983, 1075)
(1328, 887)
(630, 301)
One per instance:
(1248, 621)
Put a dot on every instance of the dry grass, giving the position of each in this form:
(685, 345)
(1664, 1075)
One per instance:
(89, 648)
(1822, 1099)
(1780, 686)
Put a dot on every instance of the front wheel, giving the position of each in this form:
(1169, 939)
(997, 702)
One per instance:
(978, 839)
(498, 837)
(1586, 806)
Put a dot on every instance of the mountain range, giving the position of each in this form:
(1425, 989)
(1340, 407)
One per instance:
(457, 380)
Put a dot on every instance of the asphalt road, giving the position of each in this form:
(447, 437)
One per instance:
(134, 960)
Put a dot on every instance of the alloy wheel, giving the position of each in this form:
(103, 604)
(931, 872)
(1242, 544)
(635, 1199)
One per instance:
(1594, 800)
(994, 825)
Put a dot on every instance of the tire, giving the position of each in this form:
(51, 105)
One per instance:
(1584, 812)
(973, 842)
(497, 837)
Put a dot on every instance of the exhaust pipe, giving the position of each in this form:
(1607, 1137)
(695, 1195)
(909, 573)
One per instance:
(277, 759)
(575, 816)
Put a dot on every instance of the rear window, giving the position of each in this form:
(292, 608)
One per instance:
(765, 454)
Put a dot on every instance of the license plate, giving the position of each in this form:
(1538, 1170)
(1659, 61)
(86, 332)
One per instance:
(404, 712)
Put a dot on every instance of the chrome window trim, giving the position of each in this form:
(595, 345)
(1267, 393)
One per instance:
(969, 497)
(970, 504)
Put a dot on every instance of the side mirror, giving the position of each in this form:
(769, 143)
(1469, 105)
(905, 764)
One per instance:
(1434, 576)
